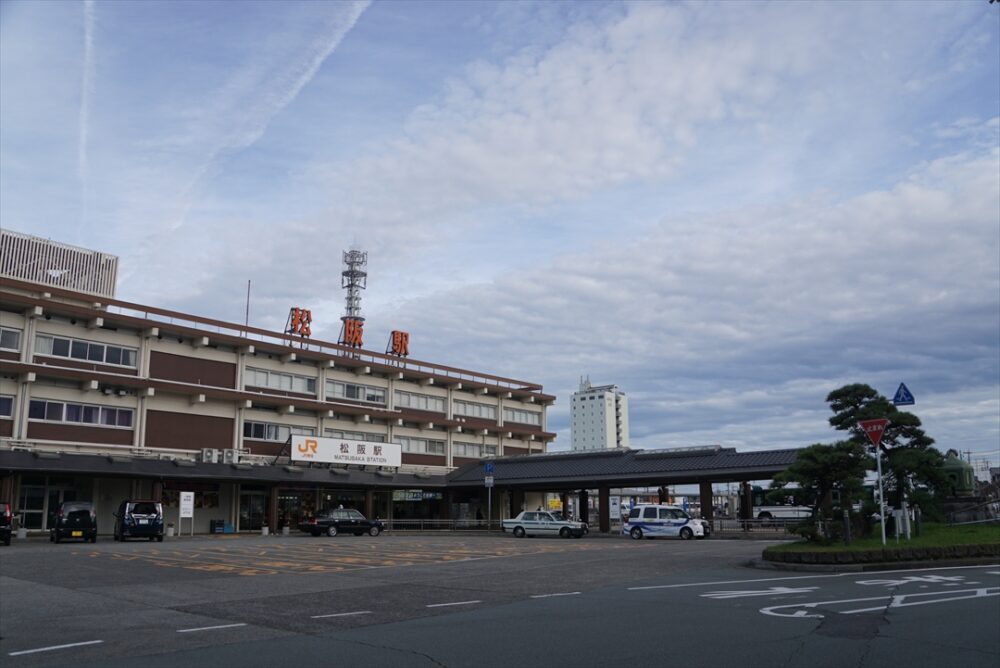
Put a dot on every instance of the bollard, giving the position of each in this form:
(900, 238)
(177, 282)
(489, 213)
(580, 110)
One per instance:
(264, 530)
(847, 527)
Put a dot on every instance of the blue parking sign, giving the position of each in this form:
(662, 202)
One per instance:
(488, 468)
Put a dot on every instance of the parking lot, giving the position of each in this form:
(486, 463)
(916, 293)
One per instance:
(459, 600)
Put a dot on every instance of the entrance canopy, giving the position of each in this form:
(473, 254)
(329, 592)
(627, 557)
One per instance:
(627, 468)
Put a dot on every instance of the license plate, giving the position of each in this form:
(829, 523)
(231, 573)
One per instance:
(143, 521)
(76, 534)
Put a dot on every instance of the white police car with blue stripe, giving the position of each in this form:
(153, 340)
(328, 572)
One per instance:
(654, 521)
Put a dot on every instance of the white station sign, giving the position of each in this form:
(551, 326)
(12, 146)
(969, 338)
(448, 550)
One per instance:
(187, 505)
(345, 451)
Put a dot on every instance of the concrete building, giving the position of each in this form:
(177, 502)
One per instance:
(102, 400)
(598, 418)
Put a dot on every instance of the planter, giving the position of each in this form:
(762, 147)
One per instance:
(264, 531)
(170, 531)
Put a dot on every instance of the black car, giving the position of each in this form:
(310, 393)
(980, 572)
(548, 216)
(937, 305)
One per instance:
(74, 519)
(337, 521)
(6, 523)
(139, 519)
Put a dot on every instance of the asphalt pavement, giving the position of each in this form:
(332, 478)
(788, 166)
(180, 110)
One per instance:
(452, 600)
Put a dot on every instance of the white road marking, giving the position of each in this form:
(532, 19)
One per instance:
(343, 614)
(55, 647)
(772, 591)
(800, 610)
(210, 628)
(804, 577)
(566, 593)
(952, 581)
(442, 605)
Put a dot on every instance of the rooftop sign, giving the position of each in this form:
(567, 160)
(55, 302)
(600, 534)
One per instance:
(345, 451)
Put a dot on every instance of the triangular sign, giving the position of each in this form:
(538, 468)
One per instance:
(903, 396)
(874, 429)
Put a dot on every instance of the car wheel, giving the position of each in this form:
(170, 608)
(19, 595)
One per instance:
(152, 538)
(578, 535)
(316, 534)
(57, 539)
(564, 532)
(6, 540)
(331, 531)
(686, 533)
(93, 539)
(374, 531)
(52, 537)
(636, 533)
(159, 539)
(519, 532)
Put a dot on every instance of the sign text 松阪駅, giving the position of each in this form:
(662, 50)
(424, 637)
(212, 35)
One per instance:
(345, 451)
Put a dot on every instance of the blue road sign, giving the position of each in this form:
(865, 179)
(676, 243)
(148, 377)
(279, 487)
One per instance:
(903, 396)
(488, 468)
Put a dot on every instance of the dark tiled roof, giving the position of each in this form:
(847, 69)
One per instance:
(629, 466)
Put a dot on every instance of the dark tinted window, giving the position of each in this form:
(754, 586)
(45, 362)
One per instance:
(73, 507)
(633, 514)
(649, 513)
(145, 508)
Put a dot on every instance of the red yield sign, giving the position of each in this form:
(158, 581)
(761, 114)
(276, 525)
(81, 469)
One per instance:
(874, 429)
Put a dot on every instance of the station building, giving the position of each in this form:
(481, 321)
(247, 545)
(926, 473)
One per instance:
(102, 400)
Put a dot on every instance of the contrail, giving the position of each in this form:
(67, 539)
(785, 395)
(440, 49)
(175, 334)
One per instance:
(86, 86)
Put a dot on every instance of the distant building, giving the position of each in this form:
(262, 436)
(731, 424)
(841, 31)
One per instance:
(599, 418)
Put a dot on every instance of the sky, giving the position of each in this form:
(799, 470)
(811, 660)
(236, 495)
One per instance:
(728, 210)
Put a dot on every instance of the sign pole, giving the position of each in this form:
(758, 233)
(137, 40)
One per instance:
(873, 430)
(489, 509)
(881, 497)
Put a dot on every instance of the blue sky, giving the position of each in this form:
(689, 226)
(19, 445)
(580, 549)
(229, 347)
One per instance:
(728, 210)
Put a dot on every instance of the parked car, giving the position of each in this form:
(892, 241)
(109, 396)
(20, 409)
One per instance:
(341, 520)
(139, 519)
(558, 514)
(650, 521)
(6, 523)
(542, 523)
(74, 519)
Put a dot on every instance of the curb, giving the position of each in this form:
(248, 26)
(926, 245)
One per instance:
(764, 564)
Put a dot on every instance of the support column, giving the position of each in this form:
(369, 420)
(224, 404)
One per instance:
(446, 505)
(564, 499)
(604, 509)
(272, 509)
(157, 490)
(516, 501)
(584, 510)
(369, 503)
(746, 501)
(705, 492)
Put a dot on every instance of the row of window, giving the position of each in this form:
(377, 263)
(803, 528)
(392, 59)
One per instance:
(420, 402)
(58, 346)
(473, 450)
(420, 445)
(524, 417)
(266, 431)
(354, 435)
(58, 411)
(470, 409)
(338, 390)
(10, 339)
(277, 380)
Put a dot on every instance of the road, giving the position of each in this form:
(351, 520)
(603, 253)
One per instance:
(455, 600)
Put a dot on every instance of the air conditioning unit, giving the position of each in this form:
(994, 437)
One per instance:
(230, 457)
(210, 455)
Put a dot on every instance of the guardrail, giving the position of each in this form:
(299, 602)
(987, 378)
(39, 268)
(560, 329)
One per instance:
(772, 527)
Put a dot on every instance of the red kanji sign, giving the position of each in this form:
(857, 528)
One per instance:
(874, 429)
(399, 343)
(354, 331)
(300, 321)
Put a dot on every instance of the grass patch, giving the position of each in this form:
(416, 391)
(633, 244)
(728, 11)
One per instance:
(932, 535)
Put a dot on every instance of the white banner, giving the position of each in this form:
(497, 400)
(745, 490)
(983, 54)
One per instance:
(345, 451)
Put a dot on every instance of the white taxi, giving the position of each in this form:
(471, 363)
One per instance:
(653, 521)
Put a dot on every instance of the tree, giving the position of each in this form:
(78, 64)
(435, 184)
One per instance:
(823, 469)
(909, 455)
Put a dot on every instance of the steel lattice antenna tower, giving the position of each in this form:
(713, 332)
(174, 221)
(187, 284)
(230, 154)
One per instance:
(354, 279)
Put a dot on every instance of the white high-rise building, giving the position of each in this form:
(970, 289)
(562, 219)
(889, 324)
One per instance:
(598, 418)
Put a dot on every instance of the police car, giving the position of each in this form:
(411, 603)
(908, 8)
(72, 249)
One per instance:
(653, 521)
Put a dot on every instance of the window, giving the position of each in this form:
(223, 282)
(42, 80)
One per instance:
(649, 514)
(420, 445)
(10, 339)
(6, 406)
(466, 450)
(276, 380)
(265, 431)
(100, 353)
(354, 435)
(57, 411)
(524, 417)
(469, 409)
(421, 402)
(338, 390)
